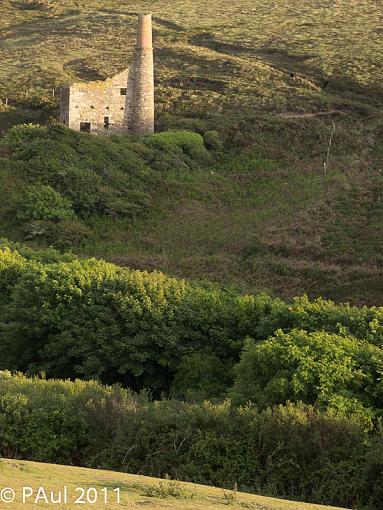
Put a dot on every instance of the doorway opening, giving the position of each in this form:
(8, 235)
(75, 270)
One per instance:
(85, 126)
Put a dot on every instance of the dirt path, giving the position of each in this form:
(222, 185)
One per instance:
(306, 115)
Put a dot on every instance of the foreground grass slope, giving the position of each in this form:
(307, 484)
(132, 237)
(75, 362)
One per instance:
(294, 451)
(136, 491)
(271, 80)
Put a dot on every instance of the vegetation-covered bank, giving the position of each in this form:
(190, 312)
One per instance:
(70, 317)
(291, 451)
(264, 175)
(263, 86)
(239, 206)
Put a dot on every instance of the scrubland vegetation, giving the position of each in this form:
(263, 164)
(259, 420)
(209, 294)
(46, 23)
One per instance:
(165, 301)
(283, 399)
(262, 84)
(294, 451)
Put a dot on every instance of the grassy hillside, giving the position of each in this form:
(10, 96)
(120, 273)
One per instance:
(136, 491)
(271, 79)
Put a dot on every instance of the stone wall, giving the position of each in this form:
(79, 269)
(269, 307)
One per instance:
(98, 107)
(122, 104)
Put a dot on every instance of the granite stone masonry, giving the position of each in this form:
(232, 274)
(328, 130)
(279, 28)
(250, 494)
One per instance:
(122, 104)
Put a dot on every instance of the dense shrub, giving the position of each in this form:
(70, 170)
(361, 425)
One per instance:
(23, 133)
(293, 451)
(174, 150)
(88, 318)
(324, 315)
(190, 143)
(200, 376)
(12, 266)
(39, 202)
(26, 254)
(92, 173)
(373, 472)
(81, 185)
(113, 177)
(93, 319)
(318, 368)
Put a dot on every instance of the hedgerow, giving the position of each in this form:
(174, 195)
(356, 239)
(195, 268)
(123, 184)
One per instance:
(293, 451)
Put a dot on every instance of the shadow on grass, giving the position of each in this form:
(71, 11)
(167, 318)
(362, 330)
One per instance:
(289, 63)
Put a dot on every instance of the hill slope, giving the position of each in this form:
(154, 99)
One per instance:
(136, 491)
(270, 80)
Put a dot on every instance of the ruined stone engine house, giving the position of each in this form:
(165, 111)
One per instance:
(122, 104)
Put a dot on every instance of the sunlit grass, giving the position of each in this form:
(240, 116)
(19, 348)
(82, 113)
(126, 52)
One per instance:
(136, 491)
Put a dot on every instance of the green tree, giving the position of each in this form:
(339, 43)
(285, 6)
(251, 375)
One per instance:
(319, 368)
(201, 375)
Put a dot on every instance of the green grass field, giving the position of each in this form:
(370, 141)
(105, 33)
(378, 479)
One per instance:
(135, 491)
(272, 78)
(247, 47)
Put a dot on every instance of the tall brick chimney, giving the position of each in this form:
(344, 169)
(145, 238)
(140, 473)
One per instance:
(141, 80)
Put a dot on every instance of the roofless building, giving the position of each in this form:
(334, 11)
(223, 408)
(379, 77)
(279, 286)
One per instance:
(122, 104)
